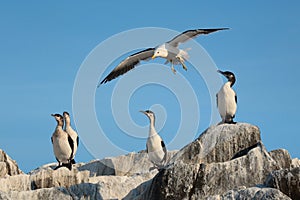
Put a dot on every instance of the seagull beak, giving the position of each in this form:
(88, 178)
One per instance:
(52, 115)
(153, 56)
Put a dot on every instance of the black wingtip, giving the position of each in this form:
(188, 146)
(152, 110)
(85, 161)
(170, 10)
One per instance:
(219, 29)
(102, 82)
(215, 29)
(99, 85)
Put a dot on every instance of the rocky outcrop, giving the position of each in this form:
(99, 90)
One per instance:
(110, 178)
(126, 165)
(251, 193)
(195, 181)
(224, 157)
(47, 193)
(286, 180)
(225, 162)
(295, 163)
(8, 167)
(15, 183)
(220, 143)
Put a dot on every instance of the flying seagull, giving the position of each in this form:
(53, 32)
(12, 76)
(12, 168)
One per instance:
(168, 50)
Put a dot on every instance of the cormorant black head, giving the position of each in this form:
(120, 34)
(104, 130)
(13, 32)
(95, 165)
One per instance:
(66, 113)
(56, 115)
(229, 75)
(67, 118)
(149, 111)
(58, 118)
(149, 114)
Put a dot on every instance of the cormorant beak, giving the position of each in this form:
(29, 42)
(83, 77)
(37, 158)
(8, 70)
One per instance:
(153, 57)
(143, 112)
(219, 71)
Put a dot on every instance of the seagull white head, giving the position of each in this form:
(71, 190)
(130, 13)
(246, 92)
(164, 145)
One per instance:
(160, 52)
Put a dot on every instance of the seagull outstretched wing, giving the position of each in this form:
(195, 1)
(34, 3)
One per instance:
(129, 63)
(186, 35)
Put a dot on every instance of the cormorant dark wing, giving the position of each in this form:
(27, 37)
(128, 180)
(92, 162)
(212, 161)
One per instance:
(186, 35)
(165, 151)
(217, 100)
(71, 143)
(129, 63)
(77, 141)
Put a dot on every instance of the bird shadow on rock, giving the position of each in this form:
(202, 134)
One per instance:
(83, 191)
(246, 150)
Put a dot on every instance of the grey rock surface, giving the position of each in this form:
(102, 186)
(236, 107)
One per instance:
(8, 167)
(125, 165)
(101, 187)
(220, 143)
(222, 158)
(92, 180)
(61, 177)
(286, 180)
(251, 193)
(295, 163)
(194, 181)
(282, 157)
(19, 183)
(46, 193)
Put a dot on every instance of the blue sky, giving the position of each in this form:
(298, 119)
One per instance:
(44, 44)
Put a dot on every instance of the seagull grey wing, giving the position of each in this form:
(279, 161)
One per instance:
(128, 64)
(186, 35)
(217, 101)
(165, 150)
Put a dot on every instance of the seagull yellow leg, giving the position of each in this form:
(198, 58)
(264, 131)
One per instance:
(173, 69)
(184, 66)
(182, 63)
